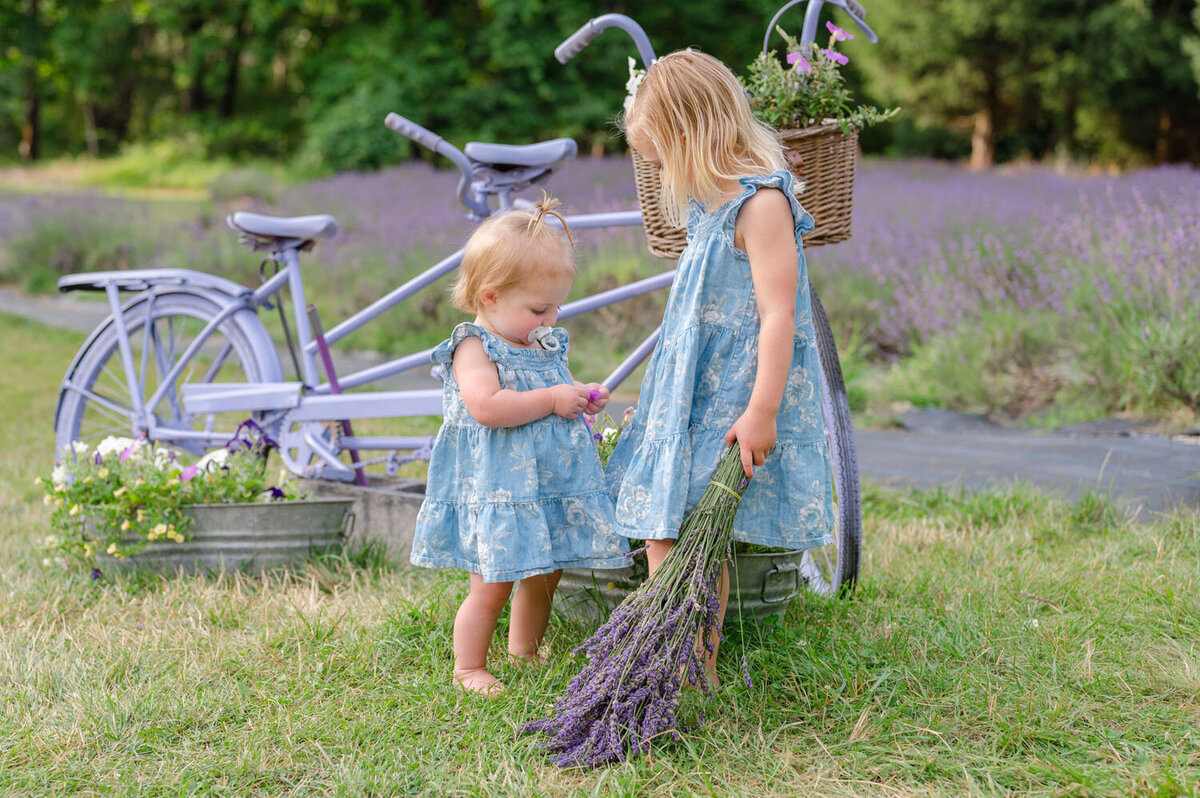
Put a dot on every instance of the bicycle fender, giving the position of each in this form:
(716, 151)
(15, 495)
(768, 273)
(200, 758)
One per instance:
(143, 279)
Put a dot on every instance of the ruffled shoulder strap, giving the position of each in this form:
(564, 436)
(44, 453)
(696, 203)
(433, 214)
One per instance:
(782, 180)
(443, 353)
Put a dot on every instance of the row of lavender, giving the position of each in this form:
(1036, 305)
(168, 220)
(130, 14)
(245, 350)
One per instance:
(1059, 285)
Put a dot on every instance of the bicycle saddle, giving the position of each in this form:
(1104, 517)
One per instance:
(551, 153)
(292, 227)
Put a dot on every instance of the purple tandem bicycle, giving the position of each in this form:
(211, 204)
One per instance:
(184, 356)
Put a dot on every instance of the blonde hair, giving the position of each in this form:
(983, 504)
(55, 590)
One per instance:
(695, 112)
(510, 248)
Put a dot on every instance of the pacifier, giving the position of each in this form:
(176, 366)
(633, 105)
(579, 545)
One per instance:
(544, 336)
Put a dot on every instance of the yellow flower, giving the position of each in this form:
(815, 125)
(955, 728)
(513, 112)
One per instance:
(119, 492)
(37, 480)
(59, 502)
(160, 529)
(112, 548)
(172, 482)
(47, 500)
(125, 525)
(87, 480)
(87, 549)
(141, 516)
(102, 473)
(75, 509)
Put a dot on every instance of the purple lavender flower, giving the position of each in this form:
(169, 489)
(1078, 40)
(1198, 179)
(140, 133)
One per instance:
(625, 698)
(801, 63)
(837, 34)
(835, 57)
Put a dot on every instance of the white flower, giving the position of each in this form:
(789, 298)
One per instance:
(59, 475)
(636, 76)
(611, 434)
(79, 447)
(215, 457)
(113, 445)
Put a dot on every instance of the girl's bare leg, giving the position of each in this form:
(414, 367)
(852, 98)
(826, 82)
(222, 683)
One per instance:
(530, 614)
(474, 626)
(656, 552)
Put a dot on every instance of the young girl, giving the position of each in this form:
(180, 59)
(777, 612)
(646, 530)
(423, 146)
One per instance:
(515, 491)
(737, 359)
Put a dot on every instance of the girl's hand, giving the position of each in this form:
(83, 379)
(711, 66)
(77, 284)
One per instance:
(755, 431)
(569, 400)
(597, 398)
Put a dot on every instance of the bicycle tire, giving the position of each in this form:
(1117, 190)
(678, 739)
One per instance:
(96, 401)
(832, 570)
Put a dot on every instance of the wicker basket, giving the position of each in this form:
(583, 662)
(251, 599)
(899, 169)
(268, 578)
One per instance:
(822, 157)
(663, 240)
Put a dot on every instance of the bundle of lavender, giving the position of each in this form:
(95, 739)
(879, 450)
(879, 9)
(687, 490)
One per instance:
(627, 694)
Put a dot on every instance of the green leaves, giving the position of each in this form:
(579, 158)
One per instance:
(808, 92)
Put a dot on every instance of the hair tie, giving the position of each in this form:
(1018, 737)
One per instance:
(544, 207)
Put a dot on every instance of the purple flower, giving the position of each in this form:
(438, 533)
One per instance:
(188, 473)
(125, 455)
(597, 436)
(96, 573)
(835, 56)
(800, 62)
(275, 492)
(838, 34)
(98, 458)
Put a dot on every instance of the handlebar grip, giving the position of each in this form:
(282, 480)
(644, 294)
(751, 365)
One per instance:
(855, 8)
(426, 138)
(577, 41)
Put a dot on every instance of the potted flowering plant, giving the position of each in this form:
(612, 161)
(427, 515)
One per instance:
(129, 503)
(804, 97)
(806, 88)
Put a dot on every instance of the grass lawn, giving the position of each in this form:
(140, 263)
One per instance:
(998, 643)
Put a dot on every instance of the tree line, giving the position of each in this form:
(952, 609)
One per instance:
(309, 81)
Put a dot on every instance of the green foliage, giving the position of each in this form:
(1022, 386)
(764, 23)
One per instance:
(77, 239)
(812, 92)
(127, 494)
(1007, 362)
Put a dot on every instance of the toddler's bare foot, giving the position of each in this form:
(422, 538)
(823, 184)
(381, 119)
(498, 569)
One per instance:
(477, 680)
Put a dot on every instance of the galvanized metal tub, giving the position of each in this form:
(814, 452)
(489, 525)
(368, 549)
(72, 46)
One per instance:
(245, 537)
(760, 587)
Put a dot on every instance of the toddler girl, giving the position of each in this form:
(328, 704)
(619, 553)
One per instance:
(737, 359)
(515, 491)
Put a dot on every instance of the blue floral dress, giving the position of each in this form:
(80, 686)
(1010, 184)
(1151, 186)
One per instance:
(698, 383)
(512, 502)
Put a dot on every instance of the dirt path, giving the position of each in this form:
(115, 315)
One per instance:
(1146, 473)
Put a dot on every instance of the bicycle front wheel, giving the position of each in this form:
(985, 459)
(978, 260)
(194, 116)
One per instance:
(832, 570)
(97, 396)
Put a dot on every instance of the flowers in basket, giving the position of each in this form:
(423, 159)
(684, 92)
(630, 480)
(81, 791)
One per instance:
(131, 493)
(809, 88)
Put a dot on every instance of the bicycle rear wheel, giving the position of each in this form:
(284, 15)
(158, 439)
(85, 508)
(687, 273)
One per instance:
(832, 570)
(96, 399)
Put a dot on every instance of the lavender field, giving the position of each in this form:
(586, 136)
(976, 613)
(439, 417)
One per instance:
(1021, 292)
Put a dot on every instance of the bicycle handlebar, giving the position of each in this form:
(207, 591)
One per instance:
(811, 15)
(437, 144)
(594, 27)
